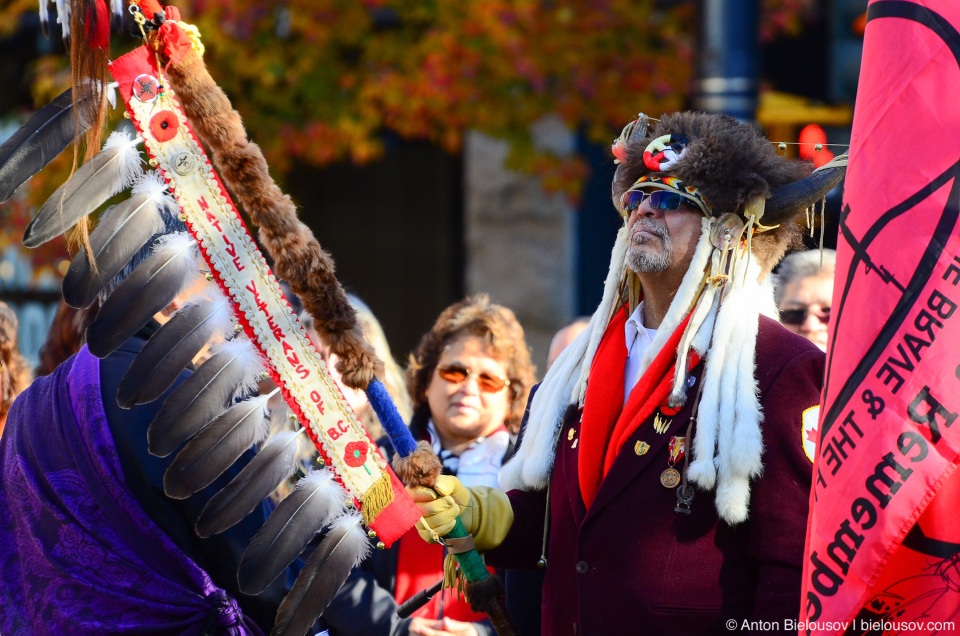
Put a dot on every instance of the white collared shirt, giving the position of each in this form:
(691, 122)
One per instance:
(638, 338)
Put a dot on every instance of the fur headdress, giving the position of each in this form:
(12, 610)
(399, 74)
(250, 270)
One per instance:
(746, 188)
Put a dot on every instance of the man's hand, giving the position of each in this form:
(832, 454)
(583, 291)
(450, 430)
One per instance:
(446, 627)
(440, 506)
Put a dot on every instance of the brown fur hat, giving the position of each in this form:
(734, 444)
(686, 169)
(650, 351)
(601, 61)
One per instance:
(729, 162)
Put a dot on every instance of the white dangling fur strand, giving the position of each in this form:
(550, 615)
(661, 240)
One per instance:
(564, 384)
(601, 317)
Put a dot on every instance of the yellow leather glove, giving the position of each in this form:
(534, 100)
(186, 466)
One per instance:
(440, 506)
(485, 512)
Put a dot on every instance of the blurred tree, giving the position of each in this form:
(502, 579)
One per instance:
(318, 80)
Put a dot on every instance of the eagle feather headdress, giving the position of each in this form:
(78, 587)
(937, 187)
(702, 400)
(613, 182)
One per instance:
(180, 231)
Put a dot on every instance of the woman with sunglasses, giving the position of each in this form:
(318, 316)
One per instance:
(804, 292)
(469, 379)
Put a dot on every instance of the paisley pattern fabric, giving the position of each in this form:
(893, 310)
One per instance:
(78, 554)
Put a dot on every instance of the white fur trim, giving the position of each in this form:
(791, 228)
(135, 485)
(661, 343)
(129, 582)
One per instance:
(530, 467)
(601, 317)
(728, 445)
(564, 384)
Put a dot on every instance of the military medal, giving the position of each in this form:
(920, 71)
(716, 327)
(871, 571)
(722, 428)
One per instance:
(671, 476)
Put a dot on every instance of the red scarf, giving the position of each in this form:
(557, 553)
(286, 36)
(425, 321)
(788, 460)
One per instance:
(607, 423)
(420, 565)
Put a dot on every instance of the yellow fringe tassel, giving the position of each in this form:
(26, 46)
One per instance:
(193, 34)
(376, 499)
(453, 577)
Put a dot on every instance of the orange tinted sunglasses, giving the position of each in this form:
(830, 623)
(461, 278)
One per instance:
(457, 374)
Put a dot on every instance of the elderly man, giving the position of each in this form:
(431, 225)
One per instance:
(665, 446)
(804, 292)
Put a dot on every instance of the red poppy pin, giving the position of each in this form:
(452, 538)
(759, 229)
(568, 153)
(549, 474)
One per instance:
(164, 125)
(355, 455)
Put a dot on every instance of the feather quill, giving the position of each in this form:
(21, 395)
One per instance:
(204, 395)
(39, 140)
(317, 500)
(270, 467)
(216, 447)
(107, 173)
(149, 289)
(171, 349)
(344, 547)
(124, 229)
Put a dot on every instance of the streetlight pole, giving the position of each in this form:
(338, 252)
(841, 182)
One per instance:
(727, 59)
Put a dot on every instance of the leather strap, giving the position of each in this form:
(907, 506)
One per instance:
(459, 545)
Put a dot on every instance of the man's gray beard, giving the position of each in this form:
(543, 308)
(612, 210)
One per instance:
(639, 260)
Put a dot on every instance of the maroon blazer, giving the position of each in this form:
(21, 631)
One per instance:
(631, 565)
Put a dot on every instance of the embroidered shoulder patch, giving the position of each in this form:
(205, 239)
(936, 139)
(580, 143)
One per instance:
(808, 431)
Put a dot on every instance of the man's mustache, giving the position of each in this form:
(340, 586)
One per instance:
(648, 225)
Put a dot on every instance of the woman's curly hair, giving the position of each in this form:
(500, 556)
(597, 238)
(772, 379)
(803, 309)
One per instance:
(495, 325)
(14, 373)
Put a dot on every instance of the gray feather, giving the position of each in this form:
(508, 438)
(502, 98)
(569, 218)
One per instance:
(266, 471)
(168, 352)
(118, 237)
(215, 448)
(288, 530)
(196, 402)
(149, 289)
(90, 186)
(324, 574)
(38, 142)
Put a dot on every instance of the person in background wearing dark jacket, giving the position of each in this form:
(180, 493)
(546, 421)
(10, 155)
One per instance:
(469, 379)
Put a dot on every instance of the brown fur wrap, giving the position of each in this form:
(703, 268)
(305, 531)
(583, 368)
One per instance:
(298, 257)
(729, 162)
(419, 468)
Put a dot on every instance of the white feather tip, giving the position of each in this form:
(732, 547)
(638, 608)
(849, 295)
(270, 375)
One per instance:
(152, 184)
(355, 541)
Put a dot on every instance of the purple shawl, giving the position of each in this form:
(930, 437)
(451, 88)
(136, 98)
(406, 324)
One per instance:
(78, 554)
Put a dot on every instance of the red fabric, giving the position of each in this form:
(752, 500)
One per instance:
(97, 24)
(397, 518)
(607, 423)
(176, 44)
(602, 405)
(650, 392)
(150, 7)
(888, 436)
(420, 565)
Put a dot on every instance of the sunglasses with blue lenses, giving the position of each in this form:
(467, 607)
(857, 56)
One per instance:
(659, 200)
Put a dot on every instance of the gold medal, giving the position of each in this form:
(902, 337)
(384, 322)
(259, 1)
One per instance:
(670, 477)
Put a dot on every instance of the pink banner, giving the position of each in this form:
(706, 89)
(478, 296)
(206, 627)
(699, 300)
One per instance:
(888, 443)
